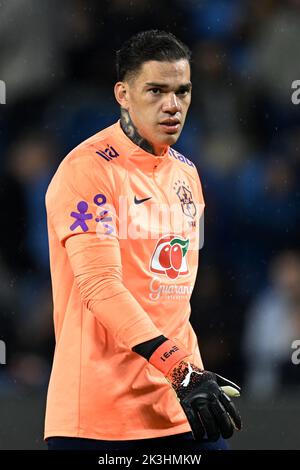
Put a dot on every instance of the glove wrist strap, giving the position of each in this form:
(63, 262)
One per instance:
(167, 355)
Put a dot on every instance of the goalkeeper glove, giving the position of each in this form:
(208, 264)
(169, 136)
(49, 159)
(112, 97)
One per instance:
(204, 396)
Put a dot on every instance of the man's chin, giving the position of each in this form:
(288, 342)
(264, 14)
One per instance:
(169, 139)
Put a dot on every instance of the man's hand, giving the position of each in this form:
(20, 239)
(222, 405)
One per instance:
(205, 399)
(204, 396)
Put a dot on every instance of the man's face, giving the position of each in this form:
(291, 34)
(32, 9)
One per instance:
(158, 98)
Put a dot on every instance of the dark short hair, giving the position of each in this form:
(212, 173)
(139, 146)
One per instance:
(149, 45)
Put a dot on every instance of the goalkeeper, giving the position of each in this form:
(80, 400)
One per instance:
(123, 212)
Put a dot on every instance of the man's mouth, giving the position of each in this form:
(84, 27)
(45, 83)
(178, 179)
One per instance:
(170, 125)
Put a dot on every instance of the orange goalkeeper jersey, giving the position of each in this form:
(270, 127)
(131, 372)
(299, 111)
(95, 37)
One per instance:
(123, 230)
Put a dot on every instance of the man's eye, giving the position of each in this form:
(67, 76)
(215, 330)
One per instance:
(182, 92)
(155, 91)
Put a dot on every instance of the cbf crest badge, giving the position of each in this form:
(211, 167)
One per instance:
(186, 198)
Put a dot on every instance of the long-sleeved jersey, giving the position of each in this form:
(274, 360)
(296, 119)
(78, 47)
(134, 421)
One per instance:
(123, 229)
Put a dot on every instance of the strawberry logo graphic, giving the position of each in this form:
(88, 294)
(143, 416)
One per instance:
(169, 257)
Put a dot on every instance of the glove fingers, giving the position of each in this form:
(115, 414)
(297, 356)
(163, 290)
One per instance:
(222, 418)
(195, 422)
(208, 421)
(231, 410)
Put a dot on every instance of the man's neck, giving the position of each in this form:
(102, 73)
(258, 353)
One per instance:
(131, 131)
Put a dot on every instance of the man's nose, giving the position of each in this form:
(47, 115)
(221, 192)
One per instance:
(171, 105)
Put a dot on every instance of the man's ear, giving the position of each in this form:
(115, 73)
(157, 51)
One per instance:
(121, 94)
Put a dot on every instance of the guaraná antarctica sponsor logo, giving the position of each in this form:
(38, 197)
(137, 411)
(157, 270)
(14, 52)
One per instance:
(170, 291)
(169, 257)
(169, 260)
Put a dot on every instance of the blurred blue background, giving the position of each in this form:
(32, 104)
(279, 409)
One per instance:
(242, 132)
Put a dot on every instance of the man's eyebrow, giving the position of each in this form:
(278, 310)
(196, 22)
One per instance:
(186, 86)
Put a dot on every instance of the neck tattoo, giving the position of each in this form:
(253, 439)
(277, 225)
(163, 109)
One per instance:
(131, 131)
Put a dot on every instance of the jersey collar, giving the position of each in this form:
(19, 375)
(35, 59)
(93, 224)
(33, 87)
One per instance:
(136, 154)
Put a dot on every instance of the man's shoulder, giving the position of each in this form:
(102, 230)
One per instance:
(100, 147)
(185, 163)
(93, 154)
(87, 165)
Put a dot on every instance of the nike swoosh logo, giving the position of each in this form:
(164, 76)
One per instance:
(139, 201)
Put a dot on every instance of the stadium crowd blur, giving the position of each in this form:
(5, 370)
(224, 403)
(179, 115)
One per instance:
(243, 133)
